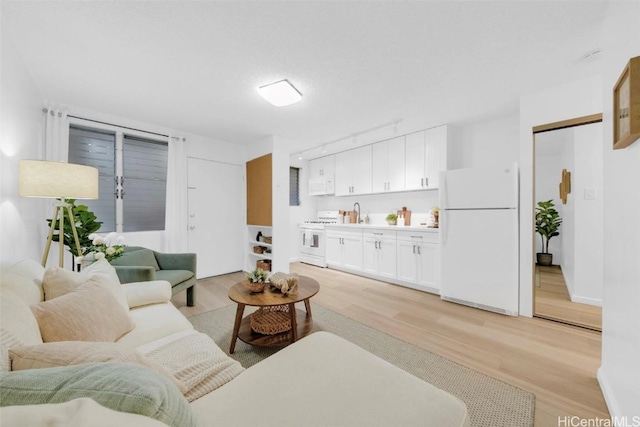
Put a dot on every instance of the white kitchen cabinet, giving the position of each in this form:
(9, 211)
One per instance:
(418, 260)
(388, 165)
(321, 176)
(344, 249)
(379, 253)
(322, 167)
(425, 158)
(353, 172)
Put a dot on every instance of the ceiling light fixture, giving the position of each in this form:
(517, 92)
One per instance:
(281, 93)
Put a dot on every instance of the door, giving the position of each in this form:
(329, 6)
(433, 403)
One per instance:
(371, 261)
(333, 252)
(352, 252)
(406, 261)
(428, 264)
(387, 258)
(215, 216)
(435, 155)
(414, 160)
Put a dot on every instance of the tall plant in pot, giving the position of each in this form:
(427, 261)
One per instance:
(547, 225)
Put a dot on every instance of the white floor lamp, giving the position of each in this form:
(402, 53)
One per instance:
(58, 180)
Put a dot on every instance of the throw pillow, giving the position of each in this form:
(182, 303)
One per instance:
(66, 353)
(80, 412)
(58, 281)
(90, 312)
(124, 387)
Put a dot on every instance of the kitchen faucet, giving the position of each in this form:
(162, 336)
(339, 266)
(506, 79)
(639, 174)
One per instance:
(357, 212)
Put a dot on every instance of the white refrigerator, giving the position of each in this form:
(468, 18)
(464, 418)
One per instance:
(479, 236)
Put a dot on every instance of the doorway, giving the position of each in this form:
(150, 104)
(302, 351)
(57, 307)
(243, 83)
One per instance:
(568, 173)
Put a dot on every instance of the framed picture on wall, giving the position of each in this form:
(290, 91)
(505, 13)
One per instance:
(626, 106)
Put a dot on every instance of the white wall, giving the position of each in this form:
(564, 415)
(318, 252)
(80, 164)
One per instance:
(22, 220)
(620, 370)
(575, 99)
(485, 143)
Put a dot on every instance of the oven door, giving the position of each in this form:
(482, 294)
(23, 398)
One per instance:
(312, 246)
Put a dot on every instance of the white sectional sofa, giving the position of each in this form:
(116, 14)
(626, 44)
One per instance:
(321, 380)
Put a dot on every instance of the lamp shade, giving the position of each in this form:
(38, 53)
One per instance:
(41, 178)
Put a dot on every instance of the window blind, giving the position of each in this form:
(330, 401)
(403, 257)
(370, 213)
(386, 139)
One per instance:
(294, 186)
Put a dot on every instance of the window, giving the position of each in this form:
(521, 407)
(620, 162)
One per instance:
(294, 186)
(133, 177)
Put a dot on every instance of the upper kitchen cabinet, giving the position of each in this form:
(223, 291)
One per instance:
(353, 172)
(321, 176)
(322, 167)
(425, 157)
(388, 165)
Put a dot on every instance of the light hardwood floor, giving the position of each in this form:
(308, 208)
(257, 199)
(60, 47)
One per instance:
(553, 300)
(556, 362)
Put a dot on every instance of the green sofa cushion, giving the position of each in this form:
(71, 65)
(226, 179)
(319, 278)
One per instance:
(140, 257)
(175, 277)
(124, 387)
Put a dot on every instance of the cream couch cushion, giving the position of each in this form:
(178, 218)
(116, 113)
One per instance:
(17, 319)
(154, 322)
(333, 383)
(24, 278)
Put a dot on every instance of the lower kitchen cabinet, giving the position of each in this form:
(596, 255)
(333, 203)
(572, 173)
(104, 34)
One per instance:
(409, 258)
(418, 260)
(379, 253)
(344, 249)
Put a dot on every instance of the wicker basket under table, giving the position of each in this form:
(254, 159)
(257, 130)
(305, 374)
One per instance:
(271, 320)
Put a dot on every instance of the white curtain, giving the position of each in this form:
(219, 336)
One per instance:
(176, 209)
(56, 135)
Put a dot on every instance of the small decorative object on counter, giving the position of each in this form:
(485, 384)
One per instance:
(256, 280)
(435, 212)
(366, 219)
(392, 219)
(400, 220)
(406, 214)
(285, 283)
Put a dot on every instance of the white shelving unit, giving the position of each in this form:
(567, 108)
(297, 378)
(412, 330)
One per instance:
(254, 257)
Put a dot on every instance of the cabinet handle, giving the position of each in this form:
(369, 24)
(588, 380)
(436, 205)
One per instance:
(426, 182)
(375, 244)
(192, 227)
(414, 249)
(419, 250)
(421, 182)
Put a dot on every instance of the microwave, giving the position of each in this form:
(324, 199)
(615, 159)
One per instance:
(321, 186)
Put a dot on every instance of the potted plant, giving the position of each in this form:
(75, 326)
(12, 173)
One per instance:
(392, 219)
(256, 279)
(547, 225)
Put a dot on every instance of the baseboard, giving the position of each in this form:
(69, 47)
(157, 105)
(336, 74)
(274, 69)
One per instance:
(586, 300)
(609, 398)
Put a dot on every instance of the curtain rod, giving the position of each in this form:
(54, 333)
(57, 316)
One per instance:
(123, 127)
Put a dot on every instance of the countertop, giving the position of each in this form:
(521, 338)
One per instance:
(386, 227)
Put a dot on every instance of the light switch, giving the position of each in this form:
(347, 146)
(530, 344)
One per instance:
(590, 193)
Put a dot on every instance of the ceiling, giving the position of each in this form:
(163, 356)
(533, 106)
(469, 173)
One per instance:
(194, 66)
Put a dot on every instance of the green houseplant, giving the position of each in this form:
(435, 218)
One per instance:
(392, 219)
(85, 222)
(547, 226)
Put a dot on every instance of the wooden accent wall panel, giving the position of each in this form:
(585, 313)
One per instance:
(259, 191)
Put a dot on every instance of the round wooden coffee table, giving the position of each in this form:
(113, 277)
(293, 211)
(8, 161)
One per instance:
(301, 322)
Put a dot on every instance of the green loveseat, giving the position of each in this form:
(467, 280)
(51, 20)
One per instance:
(138, 264)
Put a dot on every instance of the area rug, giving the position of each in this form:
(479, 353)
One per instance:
(490, 402)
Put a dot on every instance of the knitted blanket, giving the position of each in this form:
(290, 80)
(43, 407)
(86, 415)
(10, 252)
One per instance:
(198, 363)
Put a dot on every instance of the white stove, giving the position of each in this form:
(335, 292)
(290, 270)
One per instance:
(312, 250)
